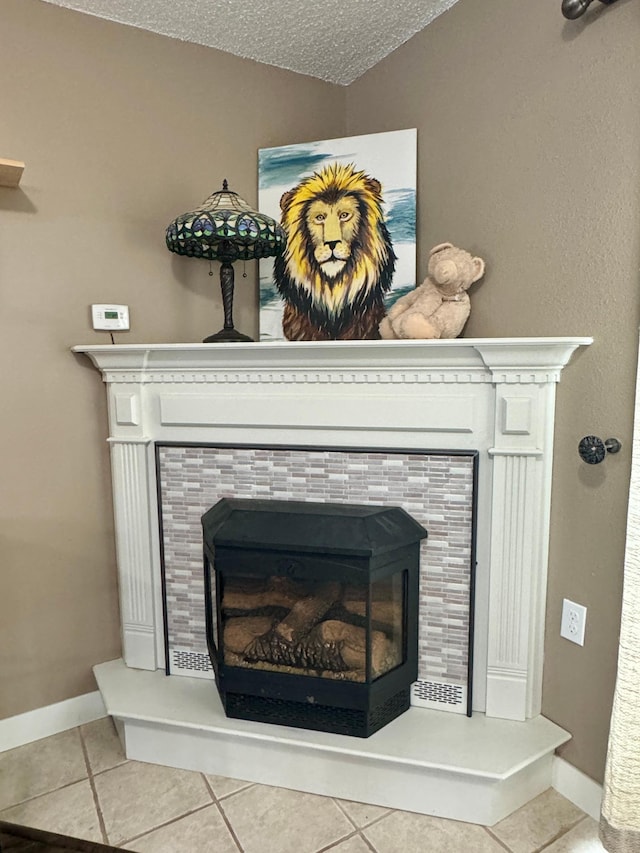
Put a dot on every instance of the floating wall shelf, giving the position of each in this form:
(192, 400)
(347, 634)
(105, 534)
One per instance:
(10, 172)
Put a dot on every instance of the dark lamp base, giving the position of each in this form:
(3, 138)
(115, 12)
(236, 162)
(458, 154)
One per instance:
(228, 336)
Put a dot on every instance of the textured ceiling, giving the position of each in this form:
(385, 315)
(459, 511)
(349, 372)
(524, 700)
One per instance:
(335, 40)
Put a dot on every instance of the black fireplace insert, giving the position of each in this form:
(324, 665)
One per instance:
(312, 611)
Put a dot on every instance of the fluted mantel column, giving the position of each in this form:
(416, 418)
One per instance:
(135, 543)
(522, 457)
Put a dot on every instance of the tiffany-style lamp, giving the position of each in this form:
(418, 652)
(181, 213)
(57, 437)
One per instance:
(226, 229)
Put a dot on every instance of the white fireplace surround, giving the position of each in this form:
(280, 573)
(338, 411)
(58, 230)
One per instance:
(493, 396)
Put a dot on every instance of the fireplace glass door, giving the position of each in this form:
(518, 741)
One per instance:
(342, 631)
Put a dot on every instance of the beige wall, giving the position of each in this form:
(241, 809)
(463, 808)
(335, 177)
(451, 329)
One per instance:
(529, 154)
(529, 138)
(121, 131)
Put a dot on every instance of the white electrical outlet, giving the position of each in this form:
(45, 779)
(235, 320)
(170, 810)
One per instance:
(110, 318)
(574, 620)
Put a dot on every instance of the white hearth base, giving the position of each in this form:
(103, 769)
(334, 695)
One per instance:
(476, 769)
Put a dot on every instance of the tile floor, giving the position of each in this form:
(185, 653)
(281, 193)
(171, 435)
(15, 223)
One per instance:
(79, 783)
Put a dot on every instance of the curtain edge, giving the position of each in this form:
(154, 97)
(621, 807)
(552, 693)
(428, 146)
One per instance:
(618, 839)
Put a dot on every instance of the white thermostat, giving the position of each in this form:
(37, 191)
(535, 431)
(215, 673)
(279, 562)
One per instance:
(110, 318)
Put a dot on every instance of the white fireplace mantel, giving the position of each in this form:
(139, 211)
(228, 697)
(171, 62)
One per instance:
(495, 397)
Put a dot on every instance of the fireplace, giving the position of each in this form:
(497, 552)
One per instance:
(312, 612)
(490, 398)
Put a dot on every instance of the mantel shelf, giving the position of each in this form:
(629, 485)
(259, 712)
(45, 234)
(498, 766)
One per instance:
(10, 172)
(500, 354)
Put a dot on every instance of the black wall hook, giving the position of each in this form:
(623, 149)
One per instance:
(573, 9)
(593, 450)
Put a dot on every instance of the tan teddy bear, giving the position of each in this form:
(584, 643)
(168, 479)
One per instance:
(440, 306)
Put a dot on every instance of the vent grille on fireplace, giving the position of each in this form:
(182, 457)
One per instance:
(427, 693)
(437, 691)
(322, 717)
(191, 662)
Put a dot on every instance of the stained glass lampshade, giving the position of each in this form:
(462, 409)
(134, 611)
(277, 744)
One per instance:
(226, 229)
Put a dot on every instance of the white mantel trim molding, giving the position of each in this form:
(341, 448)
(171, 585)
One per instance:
(496, 396)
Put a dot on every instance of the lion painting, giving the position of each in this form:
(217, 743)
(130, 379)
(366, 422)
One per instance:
(339, 261)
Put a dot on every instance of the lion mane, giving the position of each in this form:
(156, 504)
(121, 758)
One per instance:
(339, 260)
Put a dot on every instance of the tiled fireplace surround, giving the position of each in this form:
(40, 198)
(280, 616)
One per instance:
(495, 397)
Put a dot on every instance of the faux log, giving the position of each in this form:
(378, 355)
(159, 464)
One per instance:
(351, 641)
(331, 646)
(240, 632)
(308, 612)
(311, 654)
(387, 615)
(232, 659)
(248, 594)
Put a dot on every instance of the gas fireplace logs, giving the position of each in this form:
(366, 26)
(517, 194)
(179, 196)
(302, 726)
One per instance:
(274, 622)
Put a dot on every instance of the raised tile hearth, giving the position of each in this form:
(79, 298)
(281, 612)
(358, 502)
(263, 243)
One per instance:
(79, 783)
(475, 769)
(490, 397)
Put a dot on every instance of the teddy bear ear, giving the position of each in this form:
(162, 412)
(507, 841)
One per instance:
(478, 268)
(440, 247)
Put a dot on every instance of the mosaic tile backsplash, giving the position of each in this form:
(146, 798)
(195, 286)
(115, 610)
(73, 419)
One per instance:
(436, 489)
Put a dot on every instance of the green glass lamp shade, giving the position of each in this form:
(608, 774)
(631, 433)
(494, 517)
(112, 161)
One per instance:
(226, 229)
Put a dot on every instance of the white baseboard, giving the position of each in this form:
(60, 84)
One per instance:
(43, 722)
(577, 787)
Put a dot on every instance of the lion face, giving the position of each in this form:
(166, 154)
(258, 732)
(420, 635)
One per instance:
(332, 229)
(339, 261)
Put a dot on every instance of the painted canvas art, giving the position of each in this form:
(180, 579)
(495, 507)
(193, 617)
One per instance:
(348, 207)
